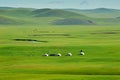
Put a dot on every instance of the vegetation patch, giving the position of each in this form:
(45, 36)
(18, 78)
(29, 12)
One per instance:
(30, 40)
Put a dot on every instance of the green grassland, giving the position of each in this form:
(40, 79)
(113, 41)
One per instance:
(24, 38)
(23, 60)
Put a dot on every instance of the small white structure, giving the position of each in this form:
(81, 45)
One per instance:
(82, 53)
(59, 54)
(45, 54)
(69, 54)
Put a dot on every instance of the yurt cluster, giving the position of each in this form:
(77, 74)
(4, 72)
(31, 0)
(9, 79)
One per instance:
(59, 54)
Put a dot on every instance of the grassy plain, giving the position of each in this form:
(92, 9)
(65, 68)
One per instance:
(23, 60)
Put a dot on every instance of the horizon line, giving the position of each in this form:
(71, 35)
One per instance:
(56, 8)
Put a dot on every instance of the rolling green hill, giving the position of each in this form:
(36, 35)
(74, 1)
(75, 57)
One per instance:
(55, 13)
(10, 15)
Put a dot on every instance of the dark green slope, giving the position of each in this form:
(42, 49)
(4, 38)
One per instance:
(73, 21)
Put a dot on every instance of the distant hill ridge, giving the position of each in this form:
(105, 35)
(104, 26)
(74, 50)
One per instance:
(96, 9)
(98, 13)
(7, 8)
